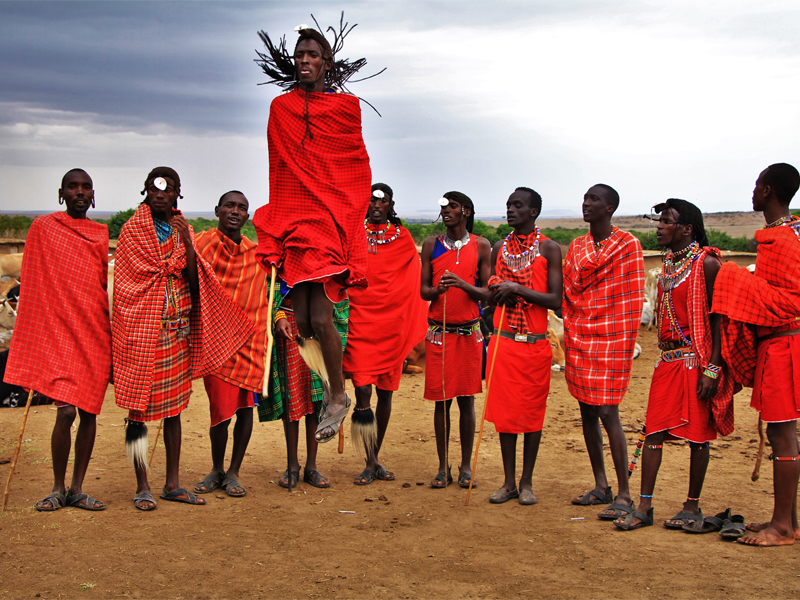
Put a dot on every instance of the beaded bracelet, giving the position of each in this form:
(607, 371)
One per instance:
(280, 315)
(712, 371)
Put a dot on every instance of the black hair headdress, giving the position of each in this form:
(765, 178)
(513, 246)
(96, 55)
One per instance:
(278, 63)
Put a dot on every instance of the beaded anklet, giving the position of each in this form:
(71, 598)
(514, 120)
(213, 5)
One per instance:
(365, 408)
(782, 458)
(654, 446)
(645, 495)
(692, 499)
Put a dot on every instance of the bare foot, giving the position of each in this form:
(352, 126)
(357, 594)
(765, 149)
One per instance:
(762, 526)
(767, 537)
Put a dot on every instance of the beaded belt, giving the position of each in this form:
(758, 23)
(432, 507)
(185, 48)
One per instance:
(173, 324)
(684, 353)
(435, 330)
(530, 338)
(674, 345)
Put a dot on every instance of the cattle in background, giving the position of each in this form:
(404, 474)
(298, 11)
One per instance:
(651, 293)
(6, 286)
(11, 265)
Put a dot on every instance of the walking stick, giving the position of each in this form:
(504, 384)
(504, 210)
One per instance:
(341, 439)
(760, 455)
(153, 452)
(285, 405)
(485, 404)
(16, 450)
(444, 393)
(270, 337)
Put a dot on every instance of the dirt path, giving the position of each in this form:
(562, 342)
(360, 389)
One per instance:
(416, 542)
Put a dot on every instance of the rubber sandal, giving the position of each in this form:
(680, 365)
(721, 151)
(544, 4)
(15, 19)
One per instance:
(503, 495)
(439, 482)
(231, 483)
(144, 497)
(527, 498)
(315, 479)
(708, 524)
(175, 496)
(620, 511)
(285, 484)
(645, 520)
(464, 479)
(334, 422)
(56, 501)
(593, 498)
(211, 482)
(685, 517)
(733, 527)
(368, 477)
(383, 474)
(85, 502)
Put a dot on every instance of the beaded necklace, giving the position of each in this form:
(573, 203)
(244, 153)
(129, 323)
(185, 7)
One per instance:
(792, 221)
(377, 238)
(518, 262)
(672, 274)
(456, 245)
(598, 246)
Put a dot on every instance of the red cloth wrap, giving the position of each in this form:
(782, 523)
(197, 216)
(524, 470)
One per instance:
(243, 279)
(603, 298)
(463, 353)
(520, 374)
(319, 191)
(776, 388)
(769, 298)
(388, 318)
(61, 345)
(218, 327)
(225, 399)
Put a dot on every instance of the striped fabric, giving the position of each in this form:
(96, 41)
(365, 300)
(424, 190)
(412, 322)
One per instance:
(243, 278)
(603, 298)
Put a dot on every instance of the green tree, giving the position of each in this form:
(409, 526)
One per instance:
(116, 222)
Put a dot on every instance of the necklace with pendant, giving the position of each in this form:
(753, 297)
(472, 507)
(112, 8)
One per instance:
(456, 245)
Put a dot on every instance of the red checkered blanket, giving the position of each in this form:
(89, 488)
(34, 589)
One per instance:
(319, 189)
(218, 327)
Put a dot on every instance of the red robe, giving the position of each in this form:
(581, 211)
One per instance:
(61, 345)
(319, 190)
(388, 318)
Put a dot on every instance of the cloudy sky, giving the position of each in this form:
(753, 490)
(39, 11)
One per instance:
(658, 99)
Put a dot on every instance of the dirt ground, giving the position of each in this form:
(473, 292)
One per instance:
(402, 539)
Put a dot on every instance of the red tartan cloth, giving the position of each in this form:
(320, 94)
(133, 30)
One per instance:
(61, 345)
(776, 389)
(218, 326)
(516, 398)
(241, 276)
(296, 372)
(463, 354)
(388, 318)
(603, 298)
(319, 190)
(768, 298)
(673, 404)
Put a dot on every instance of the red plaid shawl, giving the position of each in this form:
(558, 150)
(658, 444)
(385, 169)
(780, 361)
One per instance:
(770, 298)
(218, 326)
(62, 340)
(700, 328)
(389, 317)
(516, 316)
(603, 297)
(319, 190)
(247, 283)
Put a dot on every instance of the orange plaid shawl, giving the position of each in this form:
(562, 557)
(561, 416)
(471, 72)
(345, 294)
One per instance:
(770, 298)
(603, 298)
(218, 327)
(243, 278)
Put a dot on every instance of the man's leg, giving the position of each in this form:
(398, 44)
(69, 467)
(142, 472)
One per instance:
(142, 483)
(466, 409)
(60, 444)
(241, 438)
(293, 431)
(651, 463)
(172, 442)
(383, 412)
(84, 444)
(508, 450)
(310, 472)
(530, 451)
(593, 436)
(441, 412)
(785, 473)
(609, 416)
(219, 442)
(698, 466)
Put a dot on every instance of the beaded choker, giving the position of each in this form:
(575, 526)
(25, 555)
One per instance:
(672, 273)
(599, 245)
(518, 262)
(456, 245)
(792, 221)
(378, 237)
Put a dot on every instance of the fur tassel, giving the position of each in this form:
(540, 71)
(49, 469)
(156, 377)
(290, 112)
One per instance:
(136, 443)
(311, 352)
(364, 429)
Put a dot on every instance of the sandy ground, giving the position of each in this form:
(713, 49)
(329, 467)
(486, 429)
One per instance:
(402, 539)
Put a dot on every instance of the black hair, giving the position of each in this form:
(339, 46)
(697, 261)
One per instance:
(535, 199)
(784, 180)
(75, 170)
(221, 198)
(465, 202)
(392, 214)
(167, 172)
(688, 214)
(612, 197)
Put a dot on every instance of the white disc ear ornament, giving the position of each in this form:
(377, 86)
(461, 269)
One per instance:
(443, 202)
(160, 183)
(379, 194)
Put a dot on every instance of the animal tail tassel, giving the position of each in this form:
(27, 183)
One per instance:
(136, 443)
(311, 352)
(364, 429)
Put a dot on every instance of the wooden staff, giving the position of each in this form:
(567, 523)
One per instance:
(444, 393)
(153, 451)
(761, 443)
(341, 439)
(16, 450)
(270, 337)
(485, 404)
